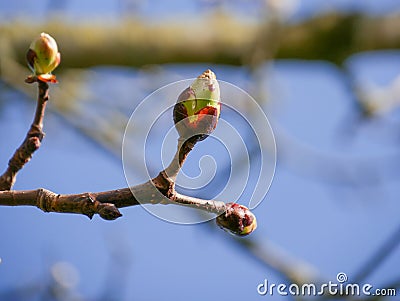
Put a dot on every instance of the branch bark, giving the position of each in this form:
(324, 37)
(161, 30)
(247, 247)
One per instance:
(32, 141)
(106, 203)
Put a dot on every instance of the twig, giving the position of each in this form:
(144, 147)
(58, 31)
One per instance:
(32, 140)
(382, 253)
(183, 149)
(212, 206)
(105, 203)
(48, 201)
(291, 269)
(160, 190)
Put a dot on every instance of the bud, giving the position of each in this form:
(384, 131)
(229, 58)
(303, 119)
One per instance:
(43, 57)
(237, 219)
(197, 109)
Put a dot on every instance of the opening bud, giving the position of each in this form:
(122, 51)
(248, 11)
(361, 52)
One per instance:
(197, 109)
(43, 57)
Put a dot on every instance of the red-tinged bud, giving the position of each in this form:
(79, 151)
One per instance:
(198, 107)
(237, 219)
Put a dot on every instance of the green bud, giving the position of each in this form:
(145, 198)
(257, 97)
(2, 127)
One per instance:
(237, 219)
(43, 57)
(198, 107)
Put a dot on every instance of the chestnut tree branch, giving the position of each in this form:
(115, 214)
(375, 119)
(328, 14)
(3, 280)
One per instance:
(160, 190)
(32, 140)
(106, 203)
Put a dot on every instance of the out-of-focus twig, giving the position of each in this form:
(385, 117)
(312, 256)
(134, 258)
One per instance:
(378, 256)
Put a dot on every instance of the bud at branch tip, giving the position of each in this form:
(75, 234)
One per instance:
(43, 57)
(198, 107)
(237, 219)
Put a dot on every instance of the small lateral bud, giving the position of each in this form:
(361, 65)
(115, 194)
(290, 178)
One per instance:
(237, 219)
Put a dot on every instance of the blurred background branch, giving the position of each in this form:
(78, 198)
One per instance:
(219, 38)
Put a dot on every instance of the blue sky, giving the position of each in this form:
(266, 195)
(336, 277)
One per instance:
(322, 207)
(158, 9)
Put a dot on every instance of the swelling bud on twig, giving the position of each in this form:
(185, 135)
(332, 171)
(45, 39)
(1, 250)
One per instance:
(197, 109)
(43, 57)
(237, 219)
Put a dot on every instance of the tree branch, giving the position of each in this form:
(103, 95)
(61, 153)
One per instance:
(160, 190)
(105, 203)
(32, 140)
(331, 36)
(382, 253)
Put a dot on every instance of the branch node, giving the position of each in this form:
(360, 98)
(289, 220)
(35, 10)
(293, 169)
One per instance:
(90, 206)
(165, 185)
(44, 199)
(36, 131)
